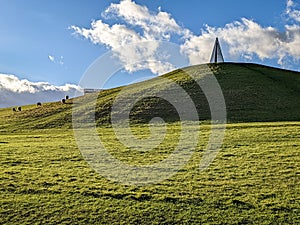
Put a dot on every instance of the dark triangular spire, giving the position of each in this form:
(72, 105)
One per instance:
(216, 55)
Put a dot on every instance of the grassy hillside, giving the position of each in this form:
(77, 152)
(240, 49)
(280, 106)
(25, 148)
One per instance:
(252, 93)
(254, 179)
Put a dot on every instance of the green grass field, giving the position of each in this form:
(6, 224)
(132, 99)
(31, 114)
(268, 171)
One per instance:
(254, 179)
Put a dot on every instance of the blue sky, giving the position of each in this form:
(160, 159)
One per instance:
(54, 41)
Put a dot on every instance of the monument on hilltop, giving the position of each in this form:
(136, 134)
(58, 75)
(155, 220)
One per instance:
(217, 55)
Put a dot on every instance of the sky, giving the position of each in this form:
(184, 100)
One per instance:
(47, 46)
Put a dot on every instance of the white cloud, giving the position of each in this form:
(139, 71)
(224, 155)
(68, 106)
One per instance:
(55, 60)
(154, 27)
(15, 91)
(241, 40)
(245, 39)
(291, 11)
(51, 58)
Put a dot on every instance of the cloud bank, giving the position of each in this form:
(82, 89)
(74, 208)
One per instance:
(242, 40)
(17, 92)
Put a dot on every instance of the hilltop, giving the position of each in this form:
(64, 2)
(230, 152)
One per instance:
(253, 93)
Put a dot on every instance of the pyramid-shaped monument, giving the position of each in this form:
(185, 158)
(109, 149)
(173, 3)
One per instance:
(217, 55)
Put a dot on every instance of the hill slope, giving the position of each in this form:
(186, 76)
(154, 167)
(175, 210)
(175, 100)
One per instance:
(252, 93)
(253, 180)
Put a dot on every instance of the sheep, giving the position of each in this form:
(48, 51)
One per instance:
(67, 97)
(63, 101)
(20, 108)
(38, 104)
(14, 110)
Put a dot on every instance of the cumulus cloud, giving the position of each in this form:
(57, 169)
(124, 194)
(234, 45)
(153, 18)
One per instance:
(291, 11)
(15, 91)
(246, 39)
(242, 40)
(153, 27)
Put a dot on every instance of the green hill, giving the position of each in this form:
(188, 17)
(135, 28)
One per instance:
(254, 178)
(252, 93)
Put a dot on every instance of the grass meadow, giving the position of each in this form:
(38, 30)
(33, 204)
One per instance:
(253, 180)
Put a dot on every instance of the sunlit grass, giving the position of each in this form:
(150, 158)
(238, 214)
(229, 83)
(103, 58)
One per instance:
(254, 179)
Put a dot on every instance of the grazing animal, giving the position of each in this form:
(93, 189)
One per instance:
(67, 97)
(63, 101)
(14, 110)
(38, 104)
(20, 108)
